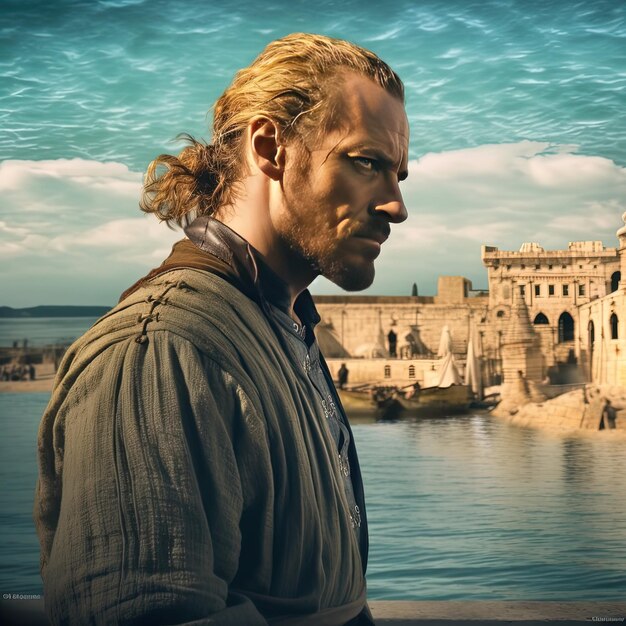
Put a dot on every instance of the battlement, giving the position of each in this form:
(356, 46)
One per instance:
(534, 253)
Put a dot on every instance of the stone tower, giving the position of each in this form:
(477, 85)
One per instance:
(521, 357)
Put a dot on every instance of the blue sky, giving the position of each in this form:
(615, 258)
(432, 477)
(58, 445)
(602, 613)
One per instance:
(517, 113)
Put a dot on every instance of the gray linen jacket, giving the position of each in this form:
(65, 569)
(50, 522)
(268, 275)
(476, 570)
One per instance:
(186, 475)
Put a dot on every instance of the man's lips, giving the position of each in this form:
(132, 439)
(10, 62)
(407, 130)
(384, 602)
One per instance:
(377, 236)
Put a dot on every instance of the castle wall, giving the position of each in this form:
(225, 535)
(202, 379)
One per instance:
(555, 284)
(390, 371)
(603, 343)
(550, 279)
(362, 327)
(563, 291)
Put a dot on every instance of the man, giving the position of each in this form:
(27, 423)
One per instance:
(609, 415)
(195, 463)
(392, 339)
(342, 376)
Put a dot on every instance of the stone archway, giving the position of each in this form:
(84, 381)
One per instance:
(615, 278)
(614, 320)
(566, 327)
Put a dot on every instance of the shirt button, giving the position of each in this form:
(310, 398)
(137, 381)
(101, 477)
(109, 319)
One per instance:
(355, 517)
(332, 409)
(344, 466)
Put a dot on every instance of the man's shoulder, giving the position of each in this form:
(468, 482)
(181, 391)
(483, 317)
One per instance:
(185, 284)
(186, 302)
(184, 313)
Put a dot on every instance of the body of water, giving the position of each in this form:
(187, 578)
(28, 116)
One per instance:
(42, 331)
(472, 508)
(118, 79)
(465, 507)
(460, 508)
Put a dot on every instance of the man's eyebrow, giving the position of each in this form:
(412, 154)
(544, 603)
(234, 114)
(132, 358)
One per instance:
(381, 157)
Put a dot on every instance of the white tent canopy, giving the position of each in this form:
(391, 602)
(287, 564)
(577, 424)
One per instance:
(445, 343)
(472, 368)
(448, 372)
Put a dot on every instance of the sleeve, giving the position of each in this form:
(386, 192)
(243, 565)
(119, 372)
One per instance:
(148, 530)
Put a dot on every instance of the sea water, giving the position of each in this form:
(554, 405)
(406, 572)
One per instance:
(117, 80)
(42, 331)
(464, 507)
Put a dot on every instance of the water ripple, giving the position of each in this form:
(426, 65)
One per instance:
(527, 517)
(476, 73)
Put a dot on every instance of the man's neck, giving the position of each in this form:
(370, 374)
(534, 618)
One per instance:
(290, 268)
(219, 240)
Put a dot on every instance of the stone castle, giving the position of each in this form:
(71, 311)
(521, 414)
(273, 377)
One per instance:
(556, 316)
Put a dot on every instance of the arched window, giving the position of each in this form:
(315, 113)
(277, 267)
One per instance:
(411, 371)
(615, 278)
(592, 333)
(614, 326)
(500, 313)
(387, 371)
(566, 327)
(540, 318)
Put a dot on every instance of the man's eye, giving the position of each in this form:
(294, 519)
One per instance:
(365, 163)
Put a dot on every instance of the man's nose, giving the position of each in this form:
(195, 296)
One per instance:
(392, 204)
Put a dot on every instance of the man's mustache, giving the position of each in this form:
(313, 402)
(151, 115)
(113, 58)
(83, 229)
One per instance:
(377, 232)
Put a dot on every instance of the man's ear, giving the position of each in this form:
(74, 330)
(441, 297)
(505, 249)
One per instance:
(265, 147)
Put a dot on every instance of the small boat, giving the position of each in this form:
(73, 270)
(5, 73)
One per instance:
(391, 402)
(386, 403)
(437, 401)
(361, 402)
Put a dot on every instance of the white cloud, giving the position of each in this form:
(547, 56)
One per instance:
(74, 223)
(117, 237)
(12, 231)
(72, 229)
(506, 193)
(74, 206)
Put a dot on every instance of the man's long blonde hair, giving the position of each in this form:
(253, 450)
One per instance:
(291, 82)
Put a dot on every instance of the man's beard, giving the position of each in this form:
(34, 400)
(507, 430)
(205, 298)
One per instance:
(312, 238)
(323, 257)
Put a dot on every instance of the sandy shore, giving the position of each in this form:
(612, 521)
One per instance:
(42, 383)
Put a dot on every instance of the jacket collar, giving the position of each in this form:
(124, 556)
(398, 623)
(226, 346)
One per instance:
(212, 246)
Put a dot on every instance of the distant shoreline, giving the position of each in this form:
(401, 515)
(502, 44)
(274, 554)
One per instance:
(7, 312)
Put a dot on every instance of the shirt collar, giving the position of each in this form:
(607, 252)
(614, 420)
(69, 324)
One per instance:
(214, 237)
